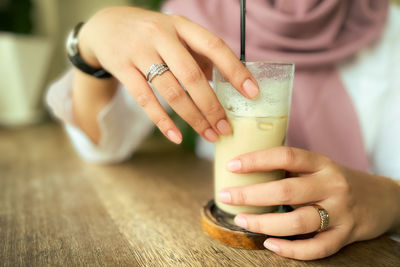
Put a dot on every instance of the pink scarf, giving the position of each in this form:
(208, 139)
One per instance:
(315, 35)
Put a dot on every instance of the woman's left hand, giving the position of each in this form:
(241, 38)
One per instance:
(361, 206)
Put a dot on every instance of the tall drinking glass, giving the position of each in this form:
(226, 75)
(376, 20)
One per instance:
(257, 124)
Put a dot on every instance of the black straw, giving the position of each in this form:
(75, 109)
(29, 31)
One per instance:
(243, 30)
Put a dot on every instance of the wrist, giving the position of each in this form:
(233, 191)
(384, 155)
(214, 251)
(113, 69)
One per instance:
(74, 54)
(89, 97)
(85, 51)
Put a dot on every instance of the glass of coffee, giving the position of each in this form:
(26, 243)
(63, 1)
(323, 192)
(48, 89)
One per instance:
(257, 124)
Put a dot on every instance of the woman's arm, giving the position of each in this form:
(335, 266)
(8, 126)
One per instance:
(121, 124)
(126, 41)
(90, 96)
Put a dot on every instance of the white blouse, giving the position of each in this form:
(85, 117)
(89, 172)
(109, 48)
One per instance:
(372, 78)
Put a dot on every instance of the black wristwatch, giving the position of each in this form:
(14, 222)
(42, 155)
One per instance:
(76, 59)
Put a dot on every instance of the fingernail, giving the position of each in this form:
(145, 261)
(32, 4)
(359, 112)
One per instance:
(211, 135)
(224, 197)
(224, 127)
(271, 246)
(174, 137)
(250, 88)
(234, 165)
(240, 221)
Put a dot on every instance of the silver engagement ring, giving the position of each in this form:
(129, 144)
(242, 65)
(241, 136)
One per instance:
(154, 70)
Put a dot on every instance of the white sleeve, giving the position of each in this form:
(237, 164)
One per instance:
(386, 150)
(372, 79)
(123, 124)
(386, 156)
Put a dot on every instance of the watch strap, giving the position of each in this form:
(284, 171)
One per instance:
(76, 59)
(79, 63)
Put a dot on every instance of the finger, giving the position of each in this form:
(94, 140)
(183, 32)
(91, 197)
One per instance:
(190, 75)
(289, 191)
(177, 98)
(170, 89)
(286, 158)
(322, 245)
(213, 47)
(142, 93)
(300, 221)
(205, 63)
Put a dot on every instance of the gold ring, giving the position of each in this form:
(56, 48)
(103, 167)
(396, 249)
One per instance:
(323, 214)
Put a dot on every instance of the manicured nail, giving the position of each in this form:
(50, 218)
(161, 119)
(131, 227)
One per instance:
(174, 137)
(224, 127)
(241, 222)
(211, 135)
(250, 88)
(234, 165)
(271, 246)
(224, 197)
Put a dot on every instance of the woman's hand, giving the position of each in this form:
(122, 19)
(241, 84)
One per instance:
(360, 206)
(126, 41)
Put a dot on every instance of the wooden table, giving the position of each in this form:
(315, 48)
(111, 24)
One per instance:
(56, 210)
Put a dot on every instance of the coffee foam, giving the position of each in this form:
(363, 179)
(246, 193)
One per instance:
(273, 101)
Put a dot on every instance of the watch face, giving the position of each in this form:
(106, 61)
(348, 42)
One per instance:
(72, 44)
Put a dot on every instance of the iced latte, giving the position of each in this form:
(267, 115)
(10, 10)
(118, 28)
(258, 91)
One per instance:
(257, 124)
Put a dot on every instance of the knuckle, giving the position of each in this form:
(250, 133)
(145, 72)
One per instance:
(143, 99)
(255, 225)
(240, 197)
(173, 94)
(289, 156)
(342, 184)
(344, 187)
(200, 125)
(179, 17)
(215, 109)
(298, 224)
(321, 252)
(214, 43)
(192, 75)
(162, 123)
(284, 193)
(326, 161)
(249, 162)
(153, 26)
(238, 73)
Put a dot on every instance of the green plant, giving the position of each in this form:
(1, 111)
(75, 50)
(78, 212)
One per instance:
(149, 4)
(15, 16)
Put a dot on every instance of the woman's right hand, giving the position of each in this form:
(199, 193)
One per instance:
(126, 41)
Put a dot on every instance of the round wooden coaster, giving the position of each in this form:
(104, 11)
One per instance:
(229, 234)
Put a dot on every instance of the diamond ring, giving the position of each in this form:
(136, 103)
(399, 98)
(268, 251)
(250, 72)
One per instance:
(323, 214)
(154, 70)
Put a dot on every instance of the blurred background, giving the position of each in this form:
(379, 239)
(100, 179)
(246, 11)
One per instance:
(32, 50)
